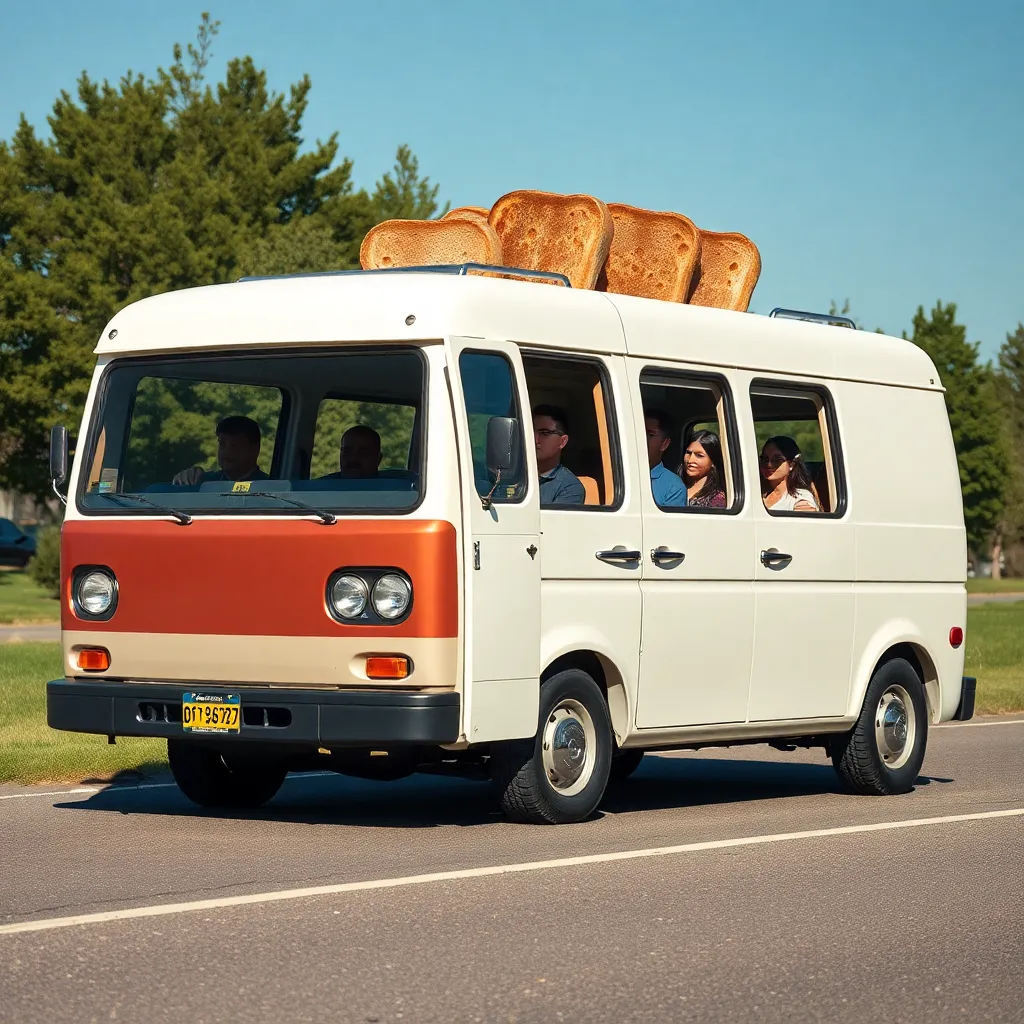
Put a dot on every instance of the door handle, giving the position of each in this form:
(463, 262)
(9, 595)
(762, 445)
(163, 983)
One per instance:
(772, 559)
(618, 555)
(663, 555)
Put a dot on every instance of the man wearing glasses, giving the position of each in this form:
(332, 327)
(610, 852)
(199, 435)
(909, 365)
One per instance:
(558, 486)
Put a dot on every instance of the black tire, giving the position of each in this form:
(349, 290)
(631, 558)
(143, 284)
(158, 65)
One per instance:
(527, 791)
(864, 762)
(624, 764)
(212, 779)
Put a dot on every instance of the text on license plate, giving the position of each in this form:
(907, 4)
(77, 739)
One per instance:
(211, 712)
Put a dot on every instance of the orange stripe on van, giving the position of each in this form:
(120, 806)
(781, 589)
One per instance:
(258, 577)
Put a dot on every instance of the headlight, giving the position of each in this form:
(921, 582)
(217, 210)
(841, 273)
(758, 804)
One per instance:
(391, 596)
(95, 593)
(349, 595)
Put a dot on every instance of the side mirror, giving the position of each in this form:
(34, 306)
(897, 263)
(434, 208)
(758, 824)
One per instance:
(503, 448)
(59, 460)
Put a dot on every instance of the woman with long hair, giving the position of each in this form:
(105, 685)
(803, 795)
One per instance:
(785, 481)
(703, 471)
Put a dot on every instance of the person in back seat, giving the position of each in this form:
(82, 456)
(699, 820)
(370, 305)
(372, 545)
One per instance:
(558, 486)
(667, 488)
(358, 456)
(238, 448)
(703, 471)
(785, 482)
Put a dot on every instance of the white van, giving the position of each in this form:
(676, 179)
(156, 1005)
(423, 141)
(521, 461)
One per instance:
(409, 600)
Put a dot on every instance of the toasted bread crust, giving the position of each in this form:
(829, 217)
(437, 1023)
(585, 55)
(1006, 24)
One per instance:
(568, 235)
(411, 243)
(653, 255)
(476, 214)
(729, 268)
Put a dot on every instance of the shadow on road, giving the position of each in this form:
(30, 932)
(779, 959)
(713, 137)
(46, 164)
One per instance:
(426, 801)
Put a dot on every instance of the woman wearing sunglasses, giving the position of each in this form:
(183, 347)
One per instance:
(785, 481)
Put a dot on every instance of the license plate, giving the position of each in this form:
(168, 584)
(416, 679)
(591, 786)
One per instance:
(211, 712)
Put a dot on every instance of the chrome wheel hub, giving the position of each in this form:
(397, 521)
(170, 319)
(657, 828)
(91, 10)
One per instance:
(568, 746)
(895, 726)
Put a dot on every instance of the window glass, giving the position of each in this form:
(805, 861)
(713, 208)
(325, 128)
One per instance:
(573, 432)
(489, 389)
(796, 463)
(394, 423)
(687, 442)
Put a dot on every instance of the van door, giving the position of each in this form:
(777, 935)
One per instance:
(804, 562)
(501, 538)
(697, 585)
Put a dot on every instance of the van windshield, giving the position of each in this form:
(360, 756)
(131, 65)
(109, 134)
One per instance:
(258, 433)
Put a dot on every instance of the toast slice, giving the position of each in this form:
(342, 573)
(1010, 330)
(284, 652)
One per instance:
(477, 214)
(653, 255)
(413, 243)
(729, 268)
(568, 235)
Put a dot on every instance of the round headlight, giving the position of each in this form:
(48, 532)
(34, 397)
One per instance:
(391, 596)
(349, 595)
(95, 593)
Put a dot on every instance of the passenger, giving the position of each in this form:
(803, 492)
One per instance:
(667, 488)
(558, 486)
(785, 481)
(359, 455)
(703, 471)
(238, 448)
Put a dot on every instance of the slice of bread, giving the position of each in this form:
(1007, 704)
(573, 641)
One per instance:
(653, 255)
(729, 268)
(416, 243)
(567, 235)
(477, 214)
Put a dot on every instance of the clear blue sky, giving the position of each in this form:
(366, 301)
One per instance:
(873, 150)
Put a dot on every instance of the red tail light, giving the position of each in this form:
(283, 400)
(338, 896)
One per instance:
(956, 636)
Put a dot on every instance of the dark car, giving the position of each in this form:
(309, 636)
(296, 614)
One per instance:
(16, 547)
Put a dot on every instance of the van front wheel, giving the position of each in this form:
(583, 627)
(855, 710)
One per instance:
(560, 775)
(212, 779)
(883, 753)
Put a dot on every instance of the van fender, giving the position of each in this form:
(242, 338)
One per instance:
(581, 641)
(895, 633)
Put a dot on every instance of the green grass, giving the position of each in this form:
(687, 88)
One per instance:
(984, 586)
(22, 601)
(32, 752)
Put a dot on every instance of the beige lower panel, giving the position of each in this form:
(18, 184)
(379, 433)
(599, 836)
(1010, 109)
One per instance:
(294, 660)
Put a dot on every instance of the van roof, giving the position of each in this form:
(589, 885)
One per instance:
(420, 306)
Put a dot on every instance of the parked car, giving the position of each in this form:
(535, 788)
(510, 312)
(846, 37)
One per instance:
(16, 546)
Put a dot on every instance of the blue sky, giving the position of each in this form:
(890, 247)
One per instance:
(873, 150)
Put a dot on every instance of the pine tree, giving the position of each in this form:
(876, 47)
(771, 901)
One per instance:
(1010, 388)
(975, 418)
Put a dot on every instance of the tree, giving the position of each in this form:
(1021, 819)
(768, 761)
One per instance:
(1010, 389)
(975, 417)
(149, 185)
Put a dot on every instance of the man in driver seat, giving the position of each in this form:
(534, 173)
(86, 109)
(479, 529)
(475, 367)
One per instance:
(238, 449)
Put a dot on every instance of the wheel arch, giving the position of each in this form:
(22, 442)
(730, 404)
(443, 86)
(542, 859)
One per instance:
(901, 641)
(605, 673)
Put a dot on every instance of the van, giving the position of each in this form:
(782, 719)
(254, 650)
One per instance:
(420, 599)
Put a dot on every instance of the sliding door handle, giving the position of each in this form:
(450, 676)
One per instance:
(618, 555)
(775, 559)
(664, 555)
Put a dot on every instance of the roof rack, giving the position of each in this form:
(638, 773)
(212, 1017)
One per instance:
(460, 269)
(834, 319)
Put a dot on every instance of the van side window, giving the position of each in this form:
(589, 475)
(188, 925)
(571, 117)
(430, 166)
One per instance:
(578, 391)
(690, 441)
(798, 448)
(392, 421)
(489, 389)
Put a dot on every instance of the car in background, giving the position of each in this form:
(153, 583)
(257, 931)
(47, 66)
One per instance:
(16, 546)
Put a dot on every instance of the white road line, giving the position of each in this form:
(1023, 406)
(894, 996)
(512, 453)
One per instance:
(163, 909)
(51, 792)
(974, 725)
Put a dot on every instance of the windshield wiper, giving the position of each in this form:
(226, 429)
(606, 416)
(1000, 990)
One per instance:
(185, 520)
(325, 517)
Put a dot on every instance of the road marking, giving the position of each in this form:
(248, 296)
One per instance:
(52, 792)
(163, 909)
(974, 725)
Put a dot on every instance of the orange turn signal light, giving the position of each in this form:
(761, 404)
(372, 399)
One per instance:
(94, 659)
(387, 667)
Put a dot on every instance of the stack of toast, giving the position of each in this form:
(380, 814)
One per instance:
(613, 248)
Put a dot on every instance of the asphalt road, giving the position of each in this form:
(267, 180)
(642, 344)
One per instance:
(862, 917)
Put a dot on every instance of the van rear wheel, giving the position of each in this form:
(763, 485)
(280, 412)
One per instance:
(883, 753)
(560, 775)
(212, 779)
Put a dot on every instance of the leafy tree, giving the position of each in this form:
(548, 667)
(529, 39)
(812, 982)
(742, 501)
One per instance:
(1010, 388)
(150, 185)
(975, 417)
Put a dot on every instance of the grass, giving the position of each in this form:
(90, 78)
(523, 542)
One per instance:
(32, 752)
(22, 601)
(986, 586)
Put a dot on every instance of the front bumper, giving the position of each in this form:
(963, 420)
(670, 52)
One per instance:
(319, 718)
(965, 709)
